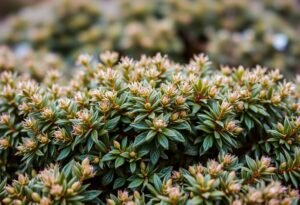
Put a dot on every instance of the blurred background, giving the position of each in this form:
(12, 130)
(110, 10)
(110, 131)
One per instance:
(230, 32)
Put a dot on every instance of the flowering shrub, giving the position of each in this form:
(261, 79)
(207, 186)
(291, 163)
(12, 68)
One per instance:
(260, 31)
(150, 131)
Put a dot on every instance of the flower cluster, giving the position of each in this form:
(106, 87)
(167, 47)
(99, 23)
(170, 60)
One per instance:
(52, 186)
(143, 130)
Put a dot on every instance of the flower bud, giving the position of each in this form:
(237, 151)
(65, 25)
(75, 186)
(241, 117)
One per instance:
(174, 194)
(105, 106)
(110, 202)
(234, 188)
(70, 191)
(23, 180)
(7, 200)
(56, 190)
(96, 160)
(43, 138)
(183, 114)
(174, 116)
(228, 159)
(280, 127)
(176, 175)
(87, 169)
(180, 100)
(165, 100)
(212, 91)
(276, 99)
(35, 196)
(17, 202)
(4, 119)
(192, 170)
(84, 59)
(240, 106)
(233, 97)
(117, 144)
(199, 178)
(4, 143)
(47, 113)
(136, 195)
(148, 106)
(262, 94)
(143, 166)
(109, 58)
(45, 201)
(237, 202)
(76, 186)
(132, 154)
(30, 144)
(10, 190)
(159, 124)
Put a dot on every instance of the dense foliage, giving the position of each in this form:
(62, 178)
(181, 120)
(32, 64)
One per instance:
(260, 31)
(150, 131)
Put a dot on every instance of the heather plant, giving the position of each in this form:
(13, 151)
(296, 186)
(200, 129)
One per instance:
(150, 131)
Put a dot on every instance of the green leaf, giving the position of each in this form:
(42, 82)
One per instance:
(253, 108)
(157, 182)
(195, 108)
(250, 162)
(173, 135)
(293, 179)
(217, 193)
(182, 126)
(107, 178)
(119, 162)
(275, 133)
(111, 124)
(150, 135)
(209, 123)
(90, 195)
(140, 126)
(94, 134)
(119, 183)
(64, 153)
(152, 189)
(154, 155)
(249, 122)
(207, 143)
(135, 183)
(140, 139)
(163, 141)
(132, 167)
(204, 128)
(140, 117)
(217, 135)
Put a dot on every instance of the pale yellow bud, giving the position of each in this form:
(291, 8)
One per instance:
(35, 196)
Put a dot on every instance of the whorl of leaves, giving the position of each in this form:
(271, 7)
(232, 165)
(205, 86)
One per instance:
(146, 128)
